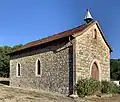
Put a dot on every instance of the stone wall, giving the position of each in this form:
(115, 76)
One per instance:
(54, 64)
(89, 50)
(62, 64)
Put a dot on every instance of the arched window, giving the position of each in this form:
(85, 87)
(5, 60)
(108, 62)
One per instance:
(18, 69)
(38, 67)
(95, 34)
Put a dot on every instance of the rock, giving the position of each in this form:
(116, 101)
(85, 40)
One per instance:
(73, 96)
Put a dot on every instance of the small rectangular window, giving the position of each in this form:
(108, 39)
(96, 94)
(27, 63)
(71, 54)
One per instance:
(38, 67)
(95, 34)
(18, 69)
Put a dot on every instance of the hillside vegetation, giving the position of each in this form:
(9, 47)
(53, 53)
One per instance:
(115, 69)
(5, 59)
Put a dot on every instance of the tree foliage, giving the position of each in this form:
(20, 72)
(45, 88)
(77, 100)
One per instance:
(115, 69)
(5, 59)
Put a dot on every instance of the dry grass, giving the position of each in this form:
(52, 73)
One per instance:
(12, 94)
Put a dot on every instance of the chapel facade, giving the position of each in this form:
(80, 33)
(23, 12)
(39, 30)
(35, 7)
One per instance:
(57, 62)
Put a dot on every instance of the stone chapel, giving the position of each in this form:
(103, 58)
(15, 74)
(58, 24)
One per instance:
(55, 63)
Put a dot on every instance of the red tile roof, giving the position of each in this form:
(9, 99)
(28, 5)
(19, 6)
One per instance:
(54, 37)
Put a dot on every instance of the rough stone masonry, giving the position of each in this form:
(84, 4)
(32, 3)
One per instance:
(64, 58)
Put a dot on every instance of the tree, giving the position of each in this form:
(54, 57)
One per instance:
(5, 59)
(115, 69)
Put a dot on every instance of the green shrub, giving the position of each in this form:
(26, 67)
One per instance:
(109, 87)
(119, 89)
(87, 87)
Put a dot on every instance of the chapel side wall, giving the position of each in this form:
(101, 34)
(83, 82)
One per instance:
(55, 69)
(89, 49)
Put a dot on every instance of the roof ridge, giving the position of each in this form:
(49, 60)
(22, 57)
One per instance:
(55, 34)
(54, 37)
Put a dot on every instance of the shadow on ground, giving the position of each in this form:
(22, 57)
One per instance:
(5, 82)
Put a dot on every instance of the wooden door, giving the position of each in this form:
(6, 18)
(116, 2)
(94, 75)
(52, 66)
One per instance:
(95, 72)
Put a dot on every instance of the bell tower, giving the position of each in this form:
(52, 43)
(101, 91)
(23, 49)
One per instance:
(88, 17)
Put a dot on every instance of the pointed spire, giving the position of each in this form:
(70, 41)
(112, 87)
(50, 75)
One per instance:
(88, 18)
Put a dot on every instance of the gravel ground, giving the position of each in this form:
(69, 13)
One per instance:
(106, 99)
(10, 94)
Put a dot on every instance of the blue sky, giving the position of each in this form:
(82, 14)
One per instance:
(22, 21)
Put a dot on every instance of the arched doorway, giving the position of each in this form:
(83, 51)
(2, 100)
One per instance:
(95, 71)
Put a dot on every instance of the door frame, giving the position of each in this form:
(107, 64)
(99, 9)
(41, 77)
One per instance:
(99, 68)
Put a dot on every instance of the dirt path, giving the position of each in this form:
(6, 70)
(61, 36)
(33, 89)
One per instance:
(112, 99)
(10, 94)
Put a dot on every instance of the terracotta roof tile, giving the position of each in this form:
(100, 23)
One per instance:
(54, 37)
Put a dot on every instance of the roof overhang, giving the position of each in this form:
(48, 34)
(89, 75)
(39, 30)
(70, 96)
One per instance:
(72, 32)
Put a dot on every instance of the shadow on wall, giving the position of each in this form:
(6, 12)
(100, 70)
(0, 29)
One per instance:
(52, 46)
(5, 82)
(70, 70)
